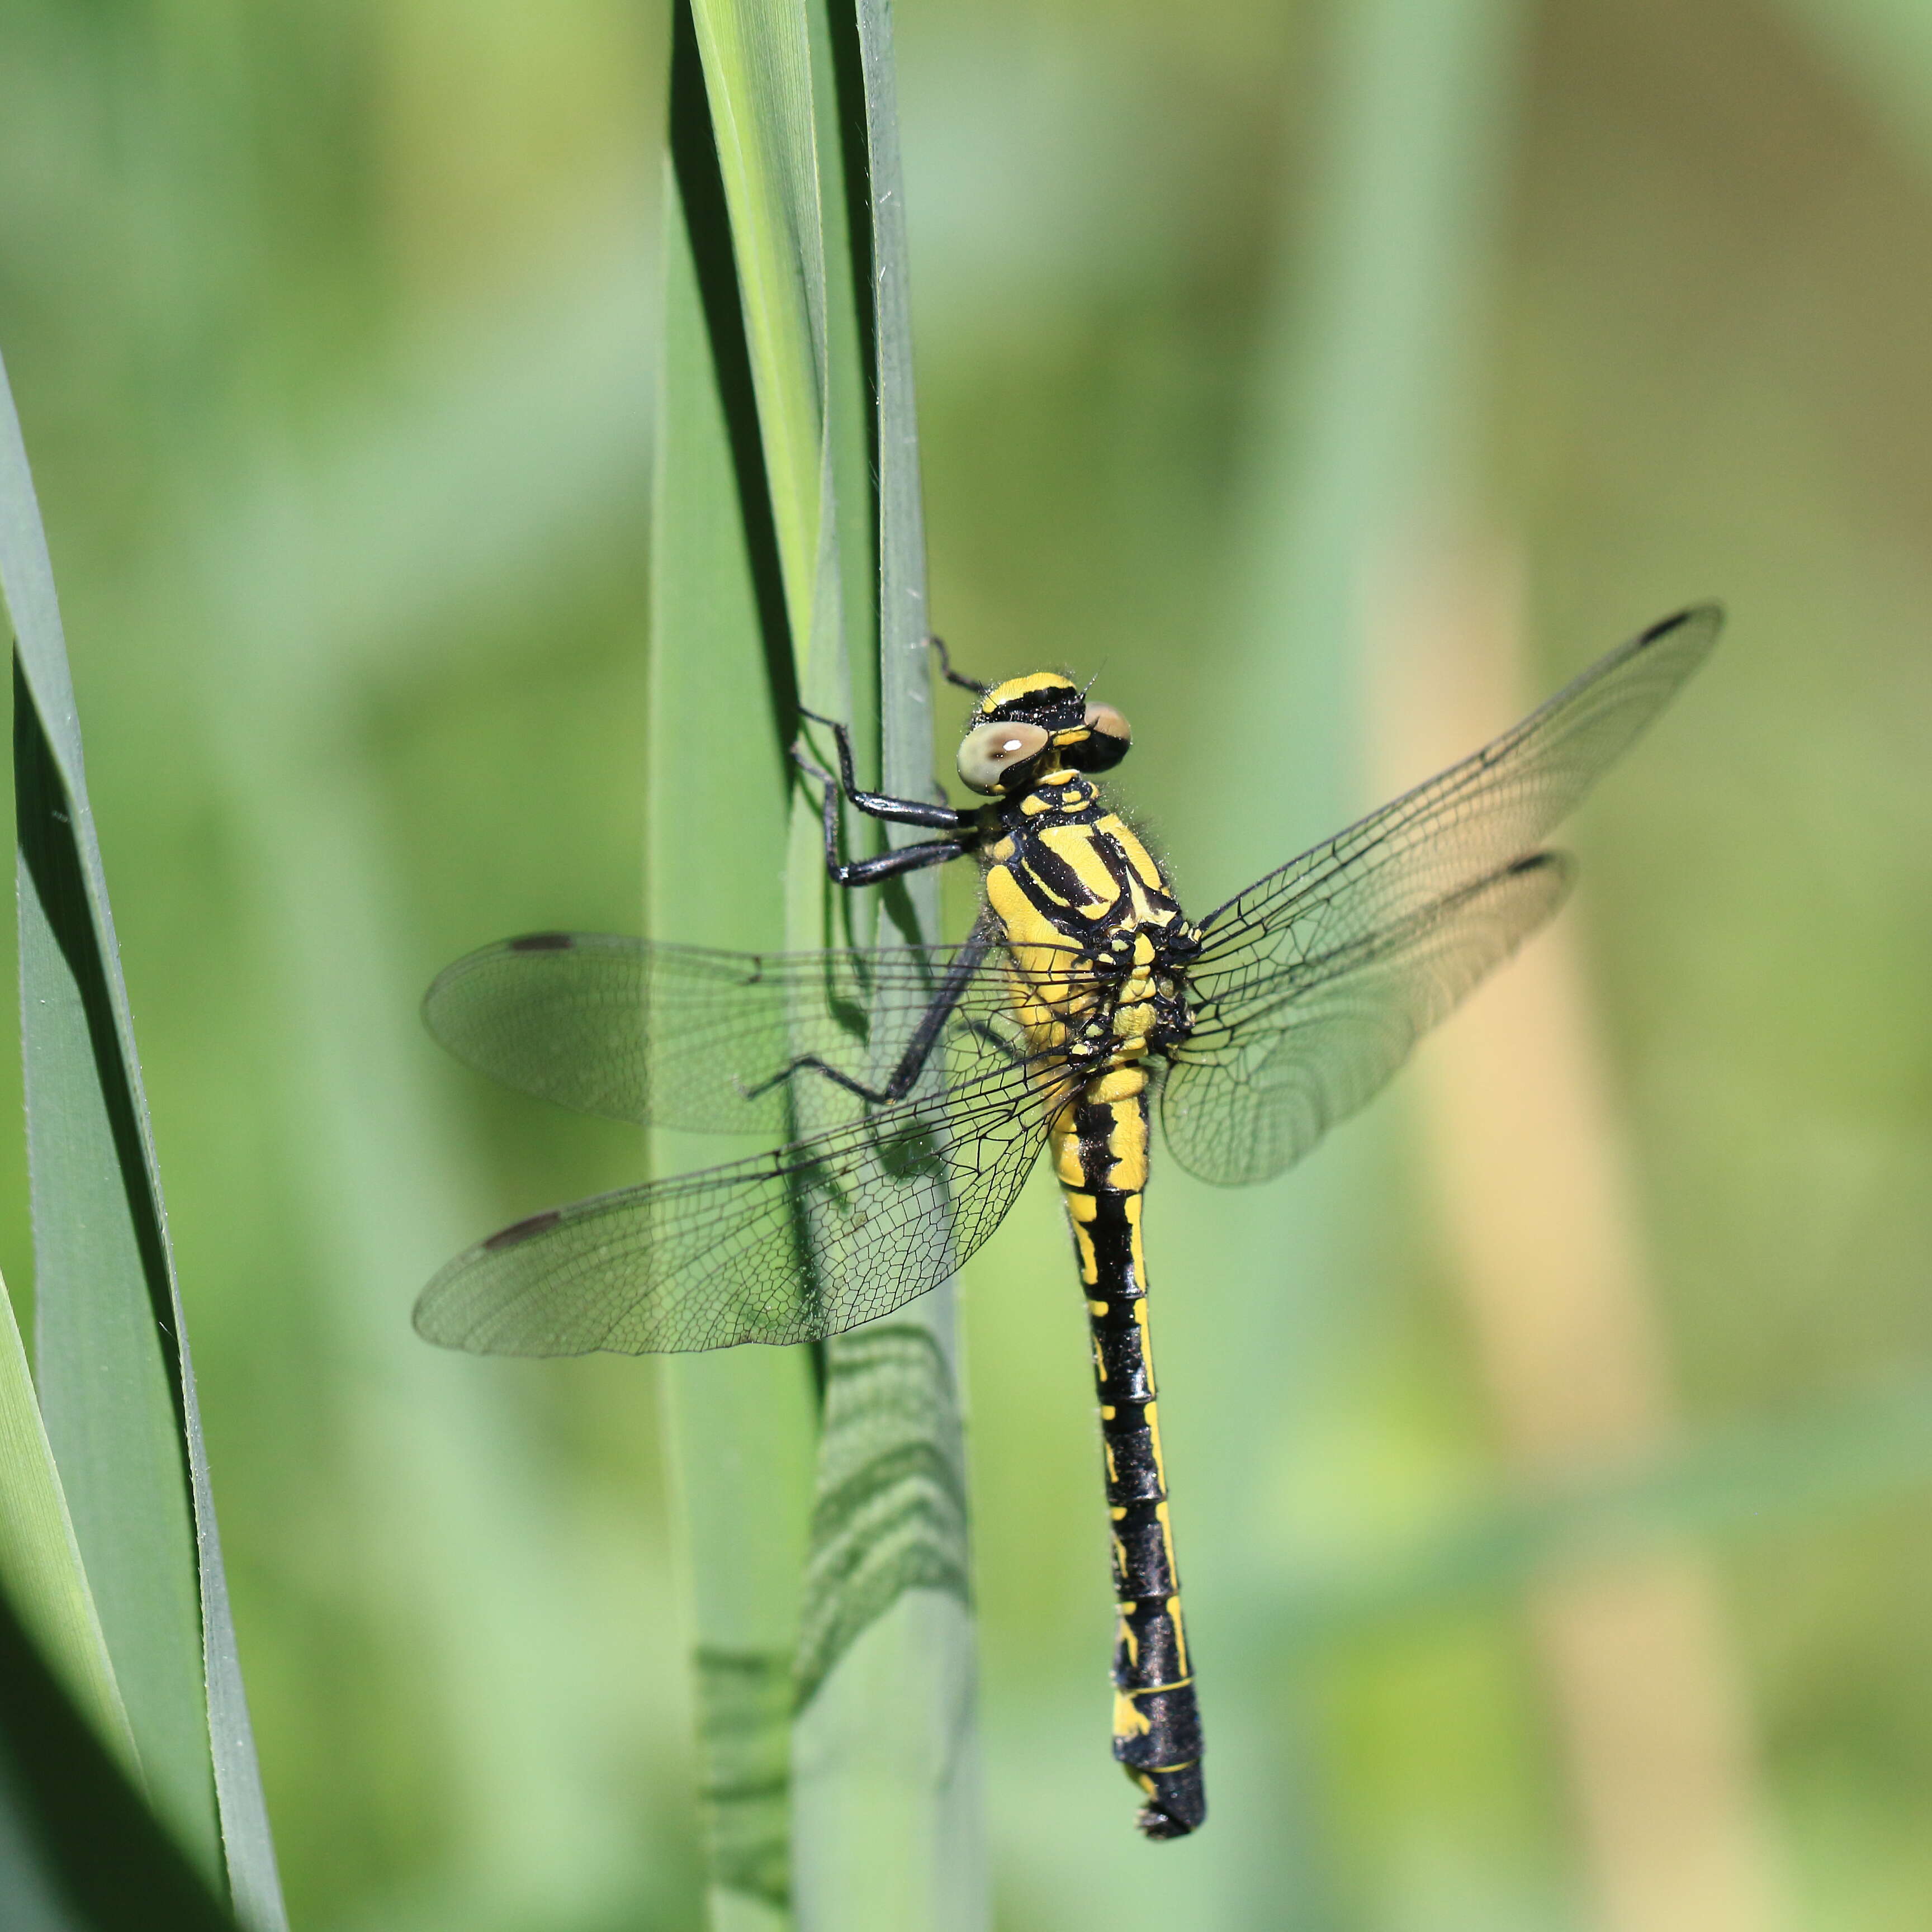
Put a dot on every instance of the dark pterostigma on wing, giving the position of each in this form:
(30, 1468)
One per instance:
(832, 1231)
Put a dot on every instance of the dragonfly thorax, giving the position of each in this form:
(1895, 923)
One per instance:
(1096, 938)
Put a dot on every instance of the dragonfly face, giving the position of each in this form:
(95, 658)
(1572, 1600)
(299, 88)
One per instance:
(1029, 725)
(1083, 998)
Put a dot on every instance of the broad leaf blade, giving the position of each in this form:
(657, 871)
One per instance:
(757, 71)
(888, 1805)
(724, 705)
(116, 1383)
(40, 1560)
(79, 1850)
(106, 1377)
(890, 1515)
(886, 1660)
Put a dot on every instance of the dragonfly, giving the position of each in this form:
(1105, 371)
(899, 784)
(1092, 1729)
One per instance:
(1083, 1001)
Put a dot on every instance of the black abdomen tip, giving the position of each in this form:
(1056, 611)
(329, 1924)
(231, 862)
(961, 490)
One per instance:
(1176, 1802)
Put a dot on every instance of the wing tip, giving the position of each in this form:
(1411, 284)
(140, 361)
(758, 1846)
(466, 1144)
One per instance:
(469, 1332)
(1554, 874)
(427, 1319)
(447, 1318)
(1707, 617)
(1560, 864)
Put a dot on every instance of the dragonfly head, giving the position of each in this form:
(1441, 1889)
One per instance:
(1028, 724)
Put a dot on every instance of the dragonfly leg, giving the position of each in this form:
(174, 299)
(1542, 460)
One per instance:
(888, 865)
(918, 1049)
(877, 804)
(810, 1063)
(963, 825)
(980, 1031)
(953, 677)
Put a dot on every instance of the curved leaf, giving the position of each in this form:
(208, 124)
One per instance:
(116, 1381)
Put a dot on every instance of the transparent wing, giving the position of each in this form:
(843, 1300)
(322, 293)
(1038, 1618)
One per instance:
(1252, 1092)
(887, 1207)
(1463, 825)
(683, 1036)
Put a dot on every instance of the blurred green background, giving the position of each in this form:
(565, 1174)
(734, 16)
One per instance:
(1262, 346)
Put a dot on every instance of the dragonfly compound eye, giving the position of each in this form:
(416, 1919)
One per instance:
(990, 755)
(1108, 736)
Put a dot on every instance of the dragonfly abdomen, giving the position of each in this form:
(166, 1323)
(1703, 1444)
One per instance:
(1099, 1146)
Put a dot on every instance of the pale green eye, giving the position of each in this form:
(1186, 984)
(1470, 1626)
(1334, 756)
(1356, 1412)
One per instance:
(989, 754)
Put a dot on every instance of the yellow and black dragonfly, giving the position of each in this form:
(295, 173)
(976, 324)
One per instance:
(1083, 999)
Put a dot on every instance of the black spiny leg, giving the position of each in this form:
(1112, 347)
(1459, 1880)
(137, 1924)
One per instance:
(953, 677)
(963, 826)
(919, 1048)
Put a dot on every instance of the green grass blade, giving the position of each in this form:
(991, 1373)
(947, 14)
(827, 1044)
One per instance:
(905, 670)
(743, 1425)
(106, 1376)
(1757, 1476)
(757, 70)
(40, 1560)
(889, 1830)
(78, 1849)
(116, 1383)
(884, 1807)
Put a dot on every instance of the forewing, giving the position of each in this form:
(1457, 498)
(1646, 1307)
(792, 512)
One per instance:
(886, 1208)
(1461, 826)
(1258, 1084)
(685, 1036)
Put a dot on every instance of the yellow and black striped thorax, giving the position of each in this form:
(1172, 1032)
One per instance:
(1097, 937)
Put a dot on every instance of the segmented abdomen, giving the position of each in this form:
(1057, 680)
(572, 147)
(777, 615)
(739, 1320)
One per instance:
(1099, 1146)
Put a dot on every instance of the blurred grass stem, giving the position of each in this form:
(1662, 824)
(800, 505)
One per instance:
(1526, 1159)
